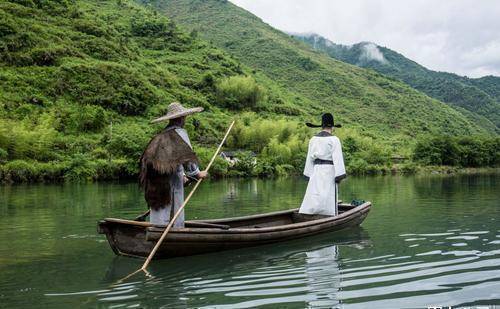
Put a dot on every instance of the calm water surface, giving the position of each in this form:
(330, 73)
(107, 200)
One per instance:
(427, 241)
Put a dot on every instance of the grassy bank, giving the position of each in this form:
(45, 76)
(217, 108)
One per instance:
(273, 147)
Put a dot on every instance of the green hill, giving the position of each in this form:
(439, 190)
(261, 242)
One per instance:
(480, 96)
(360, 98)
(81, 80)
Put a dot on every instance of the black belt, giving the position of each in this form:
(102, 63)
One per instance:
(325, 162)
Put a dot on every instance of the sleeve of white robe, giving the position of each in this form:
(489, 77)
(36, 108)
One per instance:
(308, 169)
(338, 160)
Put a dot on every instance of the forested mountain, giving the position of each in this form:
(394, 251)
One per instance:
(81, 80)
(359, 97)
(480, 96)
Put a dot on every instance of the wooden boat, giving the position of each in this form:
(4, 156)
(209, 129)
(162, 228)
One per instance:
(137, 238)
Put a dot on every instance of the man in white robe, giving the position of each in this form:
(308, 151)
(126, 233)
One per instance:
(325, 168)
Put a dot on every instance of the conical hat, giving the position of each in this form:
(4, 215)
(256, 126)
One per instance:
(176, 110)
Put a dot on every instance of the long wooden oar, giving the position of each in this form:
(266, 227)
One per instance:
(169, 226)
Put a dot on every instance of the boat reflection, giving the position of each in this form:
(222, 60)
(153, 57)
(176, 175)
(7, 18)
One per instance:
(305, 272)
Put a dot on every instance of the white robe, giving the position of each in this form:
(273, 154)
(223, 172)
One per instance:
(321, 194)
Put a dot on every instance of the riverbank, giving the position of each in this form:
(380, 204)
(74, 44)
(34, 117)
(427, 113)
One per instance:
(20, 171)
(267, 148)
(453, 170)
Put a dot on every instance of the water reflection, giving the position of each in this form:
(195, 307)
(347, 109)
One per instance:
(427, 241)
(302, 271)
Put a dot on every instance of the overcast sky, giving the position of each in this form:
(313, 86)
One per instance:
(460, 36)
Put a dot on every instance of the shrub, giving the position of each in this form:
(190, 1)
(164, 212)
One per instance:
(3, 155)
(376, 154)
(20, 171)
(55, 6)
(81, 167)
(264, 168)
(109, 85)
(7, 26)
(284, 170)
(307, 64)
(86, 118)
(24, 141)
(358, 166)
(31, 171)
(279, 153)
(219, 167)
(287, 110)
(408, 168)
(49, 56)
(207, 81)
(127, 141)
(100, 153)
(90, 27)
(26, 3)
(239, 92)
(152, 27)
(458, 151)
(103, 49)
(245, 164)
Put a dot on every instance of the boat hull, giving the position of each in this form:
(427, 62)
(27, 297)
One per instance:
(137, 239)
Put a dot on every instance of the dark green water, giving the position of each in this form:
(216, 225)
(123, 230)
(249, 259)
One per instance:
(427, 241)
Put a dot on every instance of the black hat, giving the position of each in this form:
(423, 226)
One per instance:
(326, 122)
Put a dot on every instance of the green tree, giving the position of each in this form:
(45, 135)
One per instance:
(239, 92)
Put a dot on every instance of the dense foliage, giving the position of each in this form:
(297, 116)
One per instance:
(360, 98)
(480, 96)
(239, 92)
(458, 151)
(81, 80)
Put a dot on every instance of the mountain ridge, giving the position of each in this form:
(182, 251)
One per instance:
(80, 82)
(359, 97)
(477, 95)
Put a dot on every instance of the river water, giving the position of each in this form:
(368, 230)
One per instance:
(428, 240)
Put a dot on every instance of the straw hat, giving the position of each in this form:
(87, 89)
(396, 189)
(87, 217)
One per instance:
(176, 110)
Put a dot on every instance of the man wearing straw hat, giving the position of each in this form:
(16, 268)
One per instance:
(165, 163)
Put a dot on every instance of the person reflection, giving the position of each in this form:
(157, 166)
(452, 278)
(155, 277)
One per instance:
(300, 273)
(231, 192)
(323, 276)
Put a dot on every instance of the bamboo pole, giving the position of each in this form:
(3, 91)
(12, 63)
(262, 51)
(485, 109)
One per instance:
(169, 226)
(171, 223)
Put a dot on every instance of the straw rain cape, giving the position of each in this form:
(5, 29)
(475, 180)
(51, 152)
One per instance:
(164, 153)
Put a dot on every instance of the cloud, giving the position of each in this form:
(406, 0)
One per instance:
(458, 36)
(371, 52)
(482, 58)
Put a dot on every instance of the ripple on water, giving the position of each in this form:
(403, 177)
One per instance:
(322, 279)
(463, 237)
(428, 255)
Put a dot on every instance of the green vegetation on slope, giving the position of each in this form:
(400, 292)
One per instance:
(458, 151)
(80, 81)
(480, 96)
(360, 98)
